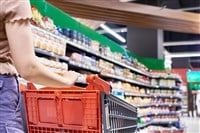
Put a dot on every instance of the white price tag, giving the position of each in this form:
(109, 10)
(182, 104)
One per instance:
(81, 79)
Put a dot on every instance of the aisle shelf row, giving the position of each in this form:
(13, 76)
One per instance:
(153, 122)
(170, 87)
(161, 113)
(166, 77)
(87, 49)
(51, 54)
(136, 82)
(83, 48)
(169, 131)
(157, 122)
(152, 95)
(82, 66)
(158, 105)
(66, 59)
(97, 71)
(110, 76)
(59, 36)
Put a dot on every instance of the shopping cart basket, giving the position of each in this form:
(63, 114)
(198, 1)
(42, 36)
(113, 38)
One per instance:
(78, 110)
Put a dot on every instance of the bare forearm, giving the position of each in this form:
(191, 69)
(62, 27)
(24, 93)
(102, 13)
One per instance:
(26, 63)
(40, 74)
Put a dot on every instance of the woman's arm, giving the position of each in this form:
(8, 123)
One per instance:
(22, 50)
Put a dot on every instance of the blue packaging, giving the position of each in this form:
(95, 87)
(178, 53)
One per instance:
(73, 35)
(79, 37)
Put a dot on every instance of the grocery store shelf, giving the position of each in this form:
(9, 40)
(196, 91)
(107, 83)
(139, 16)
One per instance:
(137, 82)
(156, 122)
(82, 66)
(160, 113)
(88, 50)
(144, 125)
(59, 36)
(125, 80)
(66, 59)
(63, 58)
(166, 77)
(153, 122)
(158, 105)
(171, 130)
(97, 71)
(51, 54)
(170, 87)
(97, 54)
(152, 95)
(83, 48)
(112, 76)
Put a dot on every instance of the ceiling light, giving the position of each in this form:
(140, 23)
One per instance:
(181, 43)
(117, 30)
(180, 55)
(113, 33)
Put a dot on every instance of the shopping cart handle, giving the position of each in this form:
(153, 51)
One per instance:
(91, 78)
(31, 86)
(96, 83)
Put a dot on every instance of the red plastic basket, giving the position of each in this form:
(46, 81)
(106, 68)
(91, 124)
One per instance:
(96, 83)
(63, 111)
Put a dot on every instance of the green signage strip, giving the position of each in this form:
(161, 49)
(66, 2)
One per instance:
(193, 76)
(193, 79)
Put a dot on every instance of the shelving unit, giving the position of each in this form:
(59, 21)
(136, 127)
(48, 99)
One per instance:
(159, 105)
(72, 46)
(153, 95)
(178, 79)
(160, 113)
(51, 54)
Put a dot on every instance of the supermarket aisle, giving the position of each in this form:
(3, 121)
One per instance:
(192, 125)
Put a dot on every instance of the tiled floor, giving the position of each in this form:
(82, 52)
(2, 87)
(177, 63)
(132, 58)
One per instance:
(192, 125)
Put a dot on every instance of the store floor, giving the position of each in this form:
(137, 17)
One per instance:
(192, 124)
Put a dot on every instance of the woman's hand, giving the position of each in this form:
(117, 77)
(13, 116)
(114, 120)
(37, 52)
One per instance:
(72, 76)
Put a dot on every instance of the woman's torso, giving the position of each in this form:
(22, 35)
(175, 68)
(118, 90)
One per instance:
(10, 11)
(6, 62)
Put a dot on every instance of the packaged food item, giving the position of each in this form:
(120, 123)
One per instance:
(106, 68)
(117, 56)
(66, 32)
(48, 41)
(127, 74)
(37, 17)
(94, 46)
(74, 35)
